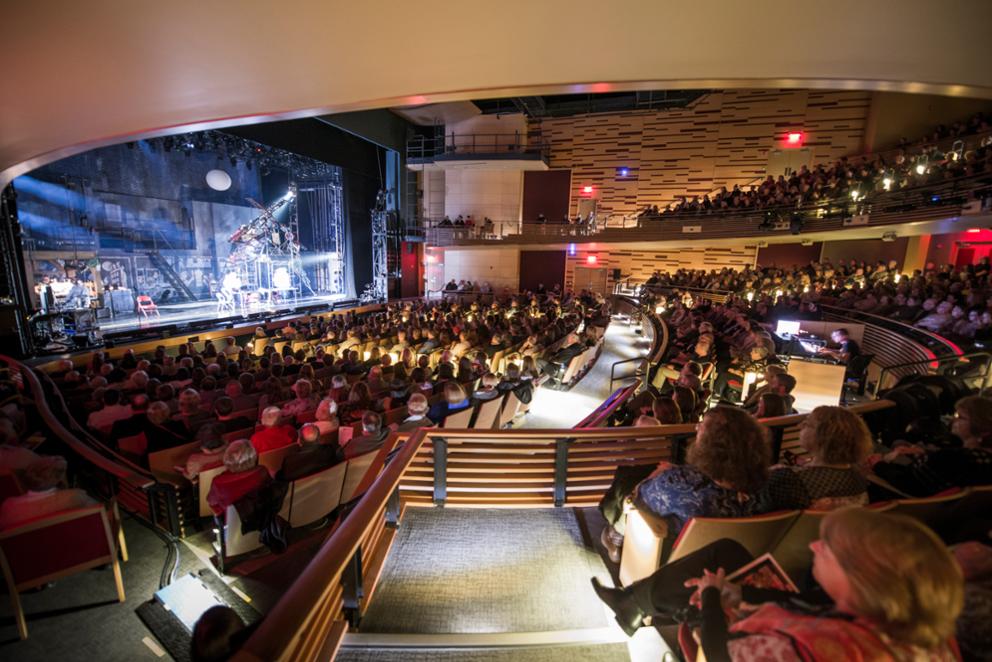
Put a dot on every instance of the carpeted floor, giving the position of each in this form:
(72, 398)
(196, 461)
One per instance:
(585, 653)
(80, 619)
(487, 571)
(563, 409)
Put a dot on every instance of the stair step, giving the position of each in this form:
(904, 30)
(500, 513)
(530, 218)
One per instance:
(562, 653)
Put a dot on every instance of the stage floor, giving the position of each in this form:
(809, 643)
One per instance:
(198, 311)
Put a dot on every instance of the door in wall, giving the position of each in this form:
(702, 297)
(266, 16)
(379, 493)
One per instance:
(965, 257)
(590, 279)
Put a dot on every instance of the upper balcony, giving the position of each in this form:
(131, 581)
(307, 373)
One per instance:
(937, 205)
(494, 150)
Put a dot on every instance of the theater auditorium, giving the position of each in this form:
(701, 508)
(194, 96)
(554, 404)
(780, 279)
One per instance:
(490, 332)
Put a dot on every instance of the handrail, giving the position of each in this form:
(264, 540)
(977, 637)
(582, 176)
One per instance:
(85, 451)
(610, 405)
(957, 358)
(281, 633)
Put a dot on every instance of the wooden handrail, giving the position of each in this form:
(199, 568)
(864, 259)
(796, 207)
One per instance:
(285, 624)
(53, 423)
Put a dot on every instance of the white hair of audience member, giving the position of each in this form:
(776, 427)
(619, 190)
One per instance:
(338, 381)
(417, 404)
(309, 434)
(139, 379)
(213, 369)
(97, 382)
(271, 416)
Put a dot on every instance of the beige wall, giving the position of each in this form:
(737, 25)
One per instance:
(894, 116)
(722, 139)
(500, 267)
(637, 266)
(83, 74)
(494, 193)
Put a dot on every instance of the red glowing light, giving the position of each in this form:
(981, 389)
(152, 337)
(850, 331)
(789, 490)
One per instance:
(587, 190)
(974, 230)
(794, 138)
(591, 259)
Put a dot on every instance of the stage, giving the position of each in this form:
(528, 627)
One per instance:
(180, 314)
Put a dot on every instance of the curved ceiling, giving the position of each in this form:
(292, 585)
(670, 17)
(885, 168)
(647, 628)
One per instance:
(84, 74)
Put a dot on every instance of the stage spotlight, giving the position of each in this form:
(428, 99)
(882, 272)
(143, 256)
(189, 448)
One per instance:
(290, 194)
(920, 169)
(887, 183)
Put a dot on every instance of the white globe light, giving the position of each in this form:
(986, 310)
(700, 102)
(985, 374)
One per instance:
(218, 180)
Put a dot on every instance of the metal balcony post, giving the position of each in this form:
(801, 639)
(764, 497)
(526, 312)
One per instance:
(561, 470)
(440, 470)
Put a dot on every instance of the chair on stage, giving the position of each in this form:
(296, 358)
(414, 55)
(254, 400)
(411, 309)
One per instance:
(225, 302)
(147, 307)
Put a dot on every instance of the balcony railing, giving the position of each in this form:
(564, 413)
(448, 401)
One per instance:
(454, 146)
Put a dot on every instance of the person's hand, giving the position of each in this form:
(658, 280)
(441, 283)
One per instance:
(730, 594)
(896, 452)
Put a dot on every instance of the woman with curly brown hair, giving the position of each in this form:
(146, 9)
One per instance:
(726, 466)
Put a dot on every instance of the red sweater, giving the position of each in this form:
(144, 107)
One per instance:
(268, 439)
(227, 488)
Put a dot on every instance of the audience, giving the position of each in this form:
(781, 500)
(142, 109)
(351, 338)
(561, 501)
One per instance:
(309, 455)
(274, 434)
(44, 480)
(241, 477)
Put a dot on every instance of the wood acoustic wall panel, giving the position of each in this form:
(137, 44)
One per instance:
(723, 139)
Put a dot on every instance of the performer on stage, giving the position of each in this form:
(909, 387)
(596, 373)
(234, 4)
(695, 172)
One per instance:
(78, 297)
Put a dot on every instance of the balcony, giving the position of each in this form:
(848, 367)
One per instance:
(492, 150)
(942, 201)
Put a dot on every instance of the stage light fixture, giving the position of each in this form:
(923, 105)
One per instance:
(218, 180)
(794, 138)
(887, 183)
(289, 195)
(587, 190)
(920, 169)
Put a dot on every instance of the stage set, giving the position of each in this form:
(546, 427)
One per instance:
(178, 230)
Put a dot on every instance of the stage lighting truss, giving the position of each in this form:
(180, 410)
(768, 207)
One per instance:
(380, 276)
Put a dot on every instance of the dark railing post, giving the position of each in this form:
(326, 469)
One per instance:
(440, 470)
(561, 470)
(351, 585)
(778, 433)
(393, 510)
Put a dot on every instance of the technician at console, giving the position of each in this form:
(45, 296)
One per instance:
(847, 348)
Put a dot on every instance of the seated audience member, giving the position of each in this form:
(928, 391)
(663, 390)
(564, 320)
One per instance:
(920, 471)
(974, 625)
(241, 477)
(190, 413)
(135, 423)
(272, 435)
(846, 348)
(42, 480)
(326, 418)
(218, 634)
(416, 407)
(454, 401)
(113, 410)
(339, 388)
(211, 453)
(372, 437)
(767, 386)
(399, 392)
(514, 381)
(309, 455)
(838, 443)
(488, 389)
(13, 456)
(772, 405)
(224, 413)
(888, 590)
(725, 468)
(303, 402)
(161, 431)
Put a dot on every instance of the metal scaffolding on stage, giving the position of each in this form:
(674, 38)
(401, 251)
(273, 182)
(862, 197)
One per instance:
(376, 292)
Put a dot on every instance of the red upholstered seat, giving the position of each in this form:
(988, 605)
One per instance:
(45, 549)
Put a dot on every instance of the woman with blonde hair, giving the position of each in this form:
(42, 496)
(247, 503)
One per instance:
(890, 591)
(838, 443)
(455, 400)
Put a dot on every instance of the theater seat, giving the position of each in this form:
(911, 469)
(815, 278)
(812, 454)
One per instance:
(356, 469)
(231, 542)
(312, 497)
(56, 546)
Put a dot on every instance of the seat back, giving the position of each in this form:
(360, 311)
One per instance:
(235, 542)
(259, 345)
(204, 481)
(929, 510)
(395, 415)
(757, 534)
(72, 540)
(792, 551)
(135, 445)
(272, 460)
(354, 473)
(166, 460)
(316, 495)
(509, 410)
(234, 435)
(488, 414)
(459, 420)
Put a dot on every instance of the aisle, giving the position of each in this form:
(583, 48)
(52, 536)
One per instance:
(563, 409)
